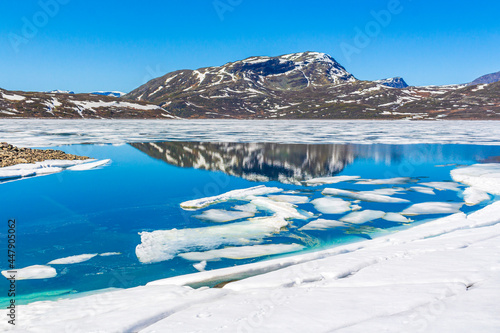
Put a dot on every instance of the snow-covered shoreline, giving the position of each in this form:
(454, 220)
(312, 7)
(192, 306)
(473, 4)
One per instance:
(441, 276)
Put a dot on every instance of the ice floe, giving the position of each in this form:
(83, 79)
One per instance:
(432, 208)
(246, 208)
(474, 196)
(322, 224)
(222, 215)
(330, 180)
(485, 177)
(364, 196)
(242, 252)
(32, 272)
(200, 266)
(295, 199)
(107, 254)
(363, 216)
(48, 167)
(163, 245)
(242, 194)
(72, 259)
(284, 210)
(90, 165)
(331, 205)
(396, 217)
(423, 189)
(443, 186)
(389, 181)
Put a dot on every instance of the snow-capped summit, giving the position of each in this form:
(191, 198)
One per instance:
(394, 82)
(109, 93)
(60, 92)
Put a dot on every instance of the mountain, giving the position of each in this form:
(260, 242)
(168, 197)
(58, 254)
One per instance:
(108, 93)
(308, 85)
(394, 82)
(18, 104)
(486, 79)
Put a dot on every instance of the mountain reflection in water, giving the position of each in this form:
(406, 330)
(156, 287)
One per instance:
(287, 163)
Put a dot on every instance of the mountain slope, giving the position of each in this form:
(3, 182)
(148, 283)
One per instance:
(488, 78)
(17, 104)
(307, 85)
(304, 85)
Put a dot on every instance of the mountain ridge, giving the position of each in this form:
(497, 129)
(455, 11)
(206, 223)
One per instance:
(305, 85)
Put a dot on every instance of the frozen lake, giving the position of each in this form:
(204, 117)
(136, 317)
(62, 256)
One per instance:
(98, 215)
(43, 133)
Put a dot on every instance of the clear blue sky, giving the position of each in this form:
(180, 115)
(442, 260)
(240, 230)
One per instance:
(117, 45)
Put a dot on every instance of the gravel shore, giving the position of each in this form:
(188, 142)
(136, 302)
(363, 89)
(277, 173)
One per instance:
(12, 155)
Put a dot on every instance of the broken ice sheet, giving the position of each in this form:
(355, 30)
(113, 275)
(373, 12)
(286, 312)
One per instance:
(161, 245)
(329, 205)
(389, 181)
(330, 180)
(294, 199)
(242, 194)
(322, 224)
(364, 196)
(241, 252)
(432, 208)
(363, 216)
(222, 215)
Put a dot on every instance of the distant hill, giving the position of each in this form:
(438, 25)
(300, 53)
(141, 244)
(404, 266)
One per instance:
(394, 82)
(19, 104)
(488, 78)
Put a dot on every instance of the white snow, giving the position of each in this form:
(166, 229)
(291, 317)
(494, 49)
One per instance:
(331, 205)
(72, 259)
(364, 196)
(32, 273)
(222, 215)
(485, 177)
(363, 216)
(13, 97)
(243, 194)
(242, 252)
(432, 208)
(330, 180)
(117, 104)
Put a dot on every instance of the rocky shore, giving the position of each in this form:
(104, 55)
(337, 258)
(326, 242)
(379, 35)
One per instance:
(12, 155)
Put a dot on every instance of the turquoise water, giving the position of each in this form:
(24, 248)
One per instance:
(103, 210)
